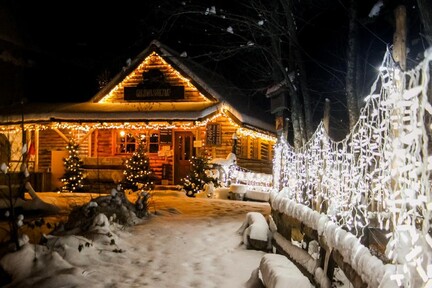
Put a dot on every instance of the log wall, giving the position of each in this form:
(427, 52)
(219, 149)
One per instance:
(155, 62)
(102, 164)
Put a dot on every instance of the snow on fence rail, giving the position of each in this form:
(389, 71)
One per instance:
(379, 175)
(370, 269)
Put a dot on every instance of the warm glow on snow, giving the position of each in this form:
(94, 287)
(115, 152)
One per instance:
(186, 242)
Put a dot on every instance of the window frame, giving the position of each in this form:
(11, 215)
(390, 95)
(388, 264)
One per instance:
(132, 137)
(151, 144)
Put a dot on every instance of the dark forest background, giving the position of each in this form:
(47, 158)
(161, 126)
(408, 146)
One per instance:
(64, 51)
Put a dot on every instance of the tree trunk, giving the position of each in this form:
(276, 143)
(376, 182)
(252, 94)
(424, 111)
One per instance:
(304, 113)
(296, 111)
(298, 141)
(350, 80)
(306, 99)
(425, 10)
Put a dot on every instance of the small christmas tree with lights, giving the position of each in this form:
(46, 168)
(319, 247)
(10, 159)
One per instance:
(138, 175)
(198, 177)
(73, 177)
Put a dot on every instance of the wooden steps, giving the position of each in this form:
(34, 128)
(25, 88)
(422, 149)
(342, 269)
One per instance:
(167, 187)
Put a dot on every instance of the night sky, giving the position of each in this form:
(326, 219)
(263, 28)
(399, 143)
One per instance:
(68, 45)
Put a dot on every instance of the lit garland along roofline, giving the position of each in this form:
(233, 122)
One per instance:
(168, 57)
(230, 115)
(86, 125)
(181, 68)
(243, 122)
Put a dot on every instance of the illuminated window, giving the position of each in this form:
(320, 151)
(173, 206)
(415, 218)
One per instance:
(154, 142)
(127, 142)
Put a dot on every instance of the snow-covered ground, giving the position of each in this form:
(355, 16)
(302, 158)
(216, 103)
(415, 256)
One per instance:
(186, 242)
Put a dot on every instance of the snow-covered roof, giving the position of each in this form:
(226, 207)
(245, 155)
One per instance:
(221, 94)
(95, 112)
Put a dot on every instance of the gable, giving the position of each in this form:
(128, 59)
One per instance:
(155, 80)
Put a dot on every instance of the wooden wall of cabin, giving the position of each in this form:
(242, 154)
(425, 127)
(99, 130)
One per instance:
(222, 149)
(104, 165)
(51, 143)
(155, 62)
(50, 140)
(255, 154)
(252, 153)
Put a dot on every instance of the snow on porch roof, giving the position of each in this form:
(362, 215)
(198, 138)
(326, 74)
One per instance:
(124, 112)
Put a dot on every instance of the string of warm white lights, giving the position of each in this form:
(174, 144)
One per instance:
(379, 174)
(240, 175)
(171, 73)
(85, 127)
(152, 59)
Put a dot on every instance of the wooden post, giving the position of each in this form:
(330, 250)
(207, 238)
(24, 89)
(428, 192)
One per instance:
(399, 37)
(36, 147)
(197, 138)
(96, 143)
(326, 117)
(287, 123)
(87, 135)
(399, 55)
(234, 139)
(326, 122)
(66, 139)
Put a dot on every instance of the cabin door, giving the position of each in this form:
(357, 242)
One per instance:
(183, 152)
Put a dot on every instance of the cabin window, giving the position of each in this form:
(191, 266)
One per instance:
(239, 147)
(253, 153)
(127, 142)
(154, 142)
(214, 135)
(265, 151)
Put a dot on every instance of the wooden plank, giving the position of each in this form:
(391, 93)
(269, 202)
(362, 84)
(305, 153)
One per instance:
(61, 135)
(400, 36)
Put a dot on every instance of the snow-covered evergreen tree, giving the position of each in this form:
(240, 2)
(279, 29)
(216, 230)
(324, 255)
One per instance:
(197, 177)
(138, 174)
(73, 177)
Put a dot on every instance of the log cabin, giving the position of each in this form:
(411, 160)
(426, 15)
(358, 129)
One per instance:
(171, 104)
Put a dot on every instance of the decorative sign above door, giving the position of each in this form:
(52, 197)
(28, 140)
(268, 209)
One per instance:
(153, 88)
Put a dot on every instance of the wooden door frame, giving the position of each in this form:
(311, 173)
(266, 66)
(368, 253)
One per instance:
(176, 178)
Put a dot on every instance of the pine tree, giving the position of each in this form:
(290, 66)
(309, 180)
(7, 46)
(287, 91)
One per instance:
(197, 177)
(138, 174)
(73, 177)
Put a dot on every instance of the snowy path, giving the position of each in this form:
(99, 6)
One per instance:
(187, 242)
(189, 253)
(192, 243)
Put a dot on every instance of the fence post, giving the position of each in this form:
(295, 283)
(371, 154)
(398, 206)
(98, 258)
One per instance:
(399, 37)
